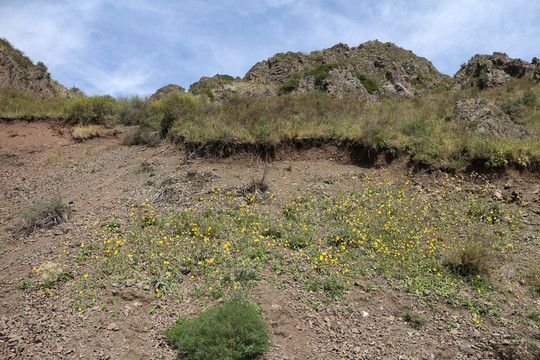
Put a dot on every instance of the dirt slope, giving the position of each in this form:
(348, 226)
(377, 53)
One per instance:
(99, 177)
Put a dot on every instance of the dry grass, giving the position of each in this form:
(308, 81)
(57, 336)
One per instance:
(82, 133)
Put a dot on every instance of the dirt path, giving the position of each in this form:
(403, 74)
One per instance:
(101, 178)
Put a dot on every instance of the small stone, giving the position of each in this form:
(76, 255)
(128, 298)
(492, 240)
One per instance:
(498, 195)
(364, 313)
(465, 349)
(112, 327)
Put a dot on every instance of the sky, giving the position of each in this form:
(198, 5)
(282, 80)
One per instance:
(128, 47)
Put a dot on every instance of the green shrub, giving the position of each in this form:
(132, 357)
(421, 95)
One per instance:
(98, 110)
(322, 72)
(289, 86)
(370, 86)
(226, 78)
(233, 330)
(415, 320)
(132, 111)
(148, 133)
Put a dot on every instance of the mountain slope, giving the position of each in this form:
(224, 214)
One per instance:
(17, 71)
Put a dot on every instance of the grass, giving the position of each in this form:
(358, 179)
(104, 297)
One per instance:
(82, 133)
(435, 246)
(422, 127)
(232, 330)
(416, 321)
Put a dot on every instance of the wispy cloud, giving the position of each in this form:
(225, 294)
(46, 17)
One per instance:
(125, 47)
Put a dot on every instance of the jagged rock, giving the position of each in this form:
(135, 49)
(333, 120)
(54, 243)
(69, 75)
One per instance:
(166, 91)
(489, 71)
(19, 72)
(397, 82)
(536, 73)
(339, 71)
(485, 117)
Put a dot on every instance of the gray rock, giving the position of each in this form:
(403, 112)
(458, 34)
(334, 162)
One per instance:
(485, 117)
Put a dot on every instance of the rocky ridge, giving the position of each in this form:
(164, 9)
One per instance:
(489, 71)
(366, 71)
(17, 71)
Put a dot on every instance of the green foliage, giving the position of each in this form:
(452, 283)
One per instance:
(232, 330)
(227, 78)
(132, 111)
(24, 284)
(322, 72)
(415, 320)
(17, 104)
(535, 316)
(290, 85)
(370, 86)
(92, 110)
(519, 106)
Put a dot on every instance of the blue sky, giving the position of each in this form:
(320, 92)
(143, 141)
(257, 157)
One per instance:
(131, 47)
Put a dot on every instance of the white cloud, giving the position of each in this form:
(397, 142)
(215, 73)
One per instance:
(124, 47)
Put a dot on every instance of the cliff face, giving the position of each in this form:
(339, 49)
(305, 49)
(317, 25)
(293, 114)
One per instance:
(19, 72)
(366, 71)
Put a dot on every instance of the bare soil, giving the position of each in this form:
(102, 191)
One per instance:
(97, 178)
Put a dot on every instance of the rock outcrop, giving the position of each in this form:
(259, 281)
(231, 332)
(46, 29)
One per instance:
(484, 117)
(489, 71)
(166, 91)
(366, 71)
(18, 72)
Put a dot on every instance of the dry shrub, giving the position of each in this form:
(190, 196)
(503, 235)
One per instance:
(469, 257)
(49, 273)
(45, 214)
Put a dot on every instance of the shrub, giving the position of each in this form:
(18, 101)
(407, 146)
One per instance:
(132, 111)
(233, 330)
(370, 86)
(415, 320)
(91, 110)
(322, 72)
(470, 257)
(44, 214)
(289, 86)
(50, 273)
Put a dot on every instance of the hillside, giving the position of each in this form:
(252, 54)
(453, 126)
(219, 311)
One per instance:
(18, 72)
(366, 71)
(359, 202)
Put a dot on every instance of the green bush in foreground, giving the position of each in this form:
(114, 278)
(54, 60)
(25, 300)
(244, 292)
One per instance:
(233, 330)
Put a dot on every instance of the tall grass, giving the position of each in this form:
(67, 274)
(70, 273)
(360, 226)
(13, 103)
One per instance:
(423, 127)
